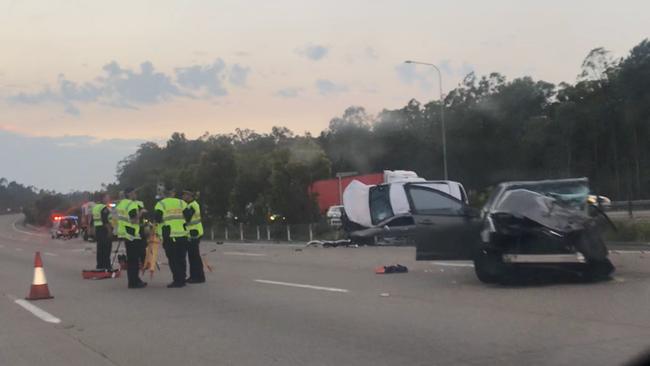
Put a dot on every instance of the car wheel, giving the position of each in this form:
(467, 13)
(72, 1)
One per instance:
(488, 266)
(598, 270)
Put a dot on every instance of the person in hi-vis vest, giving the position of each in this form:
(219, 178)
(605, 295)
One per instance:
(169, 213)
(195, 228)
(101, 222)
(129, 213)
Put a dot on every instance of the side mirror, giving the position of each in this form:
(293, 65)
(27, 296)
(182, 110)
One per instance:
(386, 228)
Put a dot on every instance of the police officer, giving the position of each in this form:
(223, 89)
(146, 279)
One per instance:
(195, 227)
(142, 249)
(169, 212)
(129, 214)
(103, 230)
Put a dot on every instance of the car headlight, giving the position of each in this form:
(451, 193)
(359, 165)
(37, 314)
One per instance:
(488, 228)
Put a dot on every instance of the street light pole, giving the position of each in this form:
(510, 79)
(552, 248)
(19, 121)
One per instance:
(442, 115)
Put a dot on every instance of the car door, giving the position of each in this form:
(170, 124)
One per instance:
(446, 228)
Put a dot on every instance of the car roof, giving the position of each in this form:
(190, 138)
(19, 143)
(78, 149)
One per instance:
(506, 186)
(530, 183)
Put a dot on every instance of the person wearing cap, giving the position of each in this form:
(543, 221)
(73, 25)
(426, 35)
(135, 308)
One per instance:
(169, 213)
(101, 221)
(129, 213)
(195, 227)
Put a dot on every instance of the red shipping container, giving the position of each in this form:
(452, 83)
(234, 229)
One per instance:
(327, 191)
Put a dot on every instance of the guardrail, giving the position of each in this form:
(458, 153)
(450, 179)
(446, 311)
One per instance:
(627, 205)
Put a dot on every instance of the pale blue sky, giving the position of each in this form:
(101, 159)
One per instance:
(144, 69)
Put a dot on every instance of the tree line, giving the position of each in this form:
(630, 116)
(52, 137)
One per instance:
(37, 204)
(497, 130)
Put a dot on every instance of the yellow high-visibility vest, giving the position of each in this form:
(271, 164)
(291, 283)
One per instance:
(172, 209)
(195, 223)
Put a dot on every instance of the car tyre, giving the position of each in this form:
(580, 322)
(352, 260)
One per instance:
(489, 266)
(598, 270)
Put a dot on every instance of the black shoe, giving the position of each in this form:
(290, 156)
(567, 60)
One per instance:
(142, 284)
(175, 285)
(192, 280)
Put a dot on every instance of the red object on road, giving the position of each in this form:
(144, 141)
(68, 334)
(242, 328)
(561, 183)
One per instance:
(39, 289)
(100, 274)
(327, 191)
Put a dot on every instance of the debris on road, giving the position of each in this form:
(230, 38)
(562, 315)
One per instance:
(100, 274)
(332, 243)
(395, 268)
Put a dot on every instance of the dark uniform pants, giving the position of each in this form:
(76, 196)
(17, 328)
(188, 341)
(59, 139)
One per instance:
(194, 257)
(176, 251)
(134, 249)
(104, 247)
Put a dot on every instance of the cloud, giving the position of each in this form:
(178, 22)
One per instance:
(49, 162)
(425, 76)
(239, 75)
(288, 92)
(123, 87)
(412, 74)
(313, 52)
(465, 69)
(327, 87)
(450, 68)
(371, 53)
(204, 77)
(127, 88)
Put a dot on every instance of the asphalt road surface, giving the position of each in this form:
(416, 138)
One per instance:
(279, 305)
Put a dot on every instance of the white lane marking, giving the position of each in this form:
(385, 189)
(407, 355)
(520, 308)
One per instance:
(261, 244)
(245, 254)
(38, 312)
(19, 249)
(300, 285)
(51, 254)
(616, 251)
(24, 232)
(448, 264)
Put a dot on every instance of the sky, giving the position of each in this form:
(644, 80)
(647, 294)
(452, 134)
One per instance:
(92, 80)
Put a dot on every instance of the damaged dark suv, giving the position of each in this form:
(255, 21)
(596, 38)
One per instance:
(530, 224)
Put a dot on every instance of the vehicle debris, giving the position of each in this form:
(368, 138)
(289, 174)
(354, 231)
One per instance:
(393, 268)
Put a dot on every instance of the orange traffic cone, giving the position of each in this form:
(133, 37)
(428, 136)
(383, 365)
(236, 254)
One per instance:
(39, 289)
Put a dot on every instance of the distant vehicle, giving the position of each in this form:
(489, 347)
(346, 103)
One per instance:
(86, 221)
(334, 214)
(599, 200)
(66, 227)
(382, 213)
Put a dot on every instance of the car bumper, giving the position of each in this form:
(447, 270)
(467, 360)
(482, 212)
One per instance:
(544, 258)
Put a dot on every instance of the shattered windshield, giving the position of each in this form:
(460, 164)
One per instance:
(570, 193)
(380, 207)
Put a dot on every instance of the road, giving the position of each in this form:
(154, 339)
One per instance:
(288, 305)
